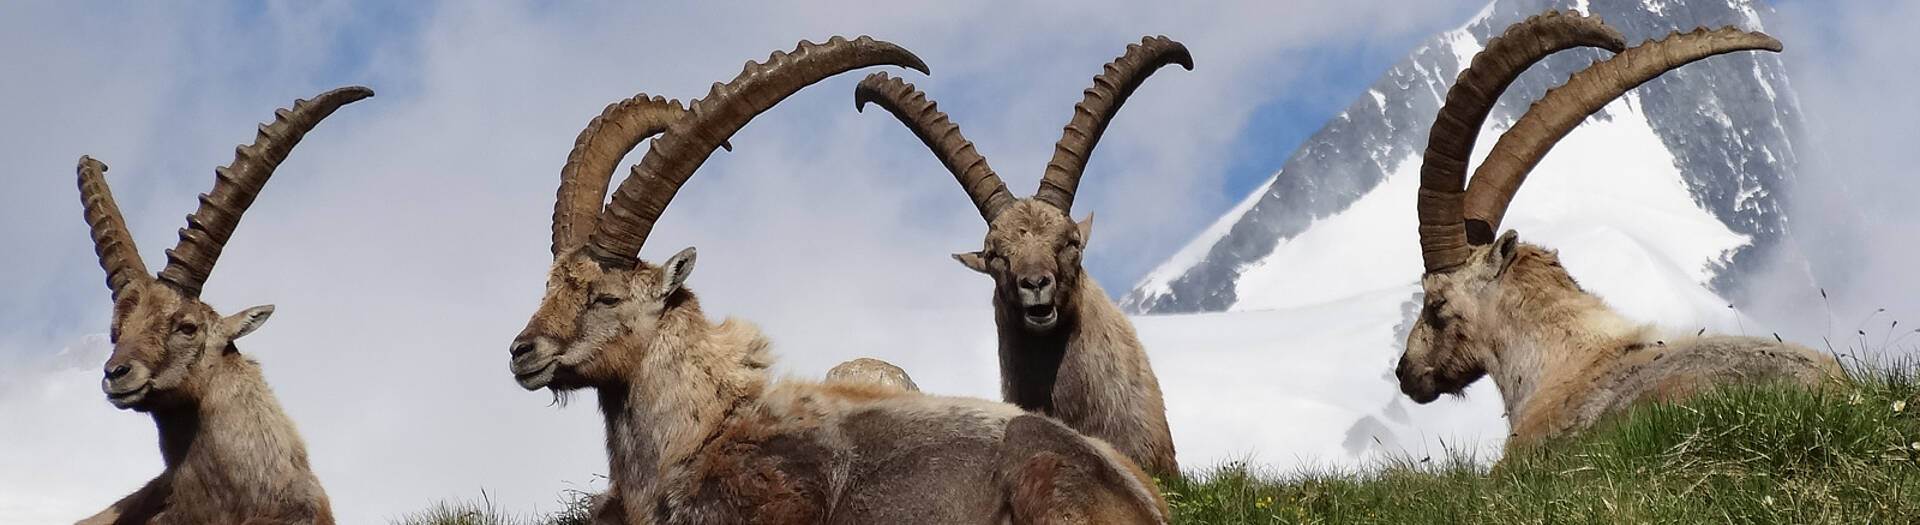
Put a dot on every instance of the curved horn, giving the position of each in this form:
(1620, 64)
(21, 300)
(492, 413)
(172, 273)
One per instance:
(1564, 107)
(606, 139)
(942, 136)
(624, 226)
(111, 240)
(235, 186)
(1096, 108)
(1443, 170)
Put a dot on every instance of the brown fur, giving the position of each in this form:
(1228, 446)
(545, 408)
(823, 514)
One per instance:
(696, 433)
(231, 454)
(873, 371)
(1085, 366)
(1561, 357)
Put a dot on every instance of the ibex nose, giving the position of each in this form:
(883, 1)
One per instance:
(521, 347)
(119, 371)
(1036, 282)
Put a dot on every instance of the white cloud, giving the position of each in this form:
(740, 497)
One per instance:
(405, 241)
(1852, 205)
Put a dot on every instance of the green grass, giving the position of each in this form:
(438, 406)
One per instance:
(1756, 454)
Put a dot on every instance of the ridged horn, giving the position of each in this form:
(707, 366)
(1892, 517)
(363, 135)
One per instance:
(1564, 107)
(1096, 108)
(111, 240)
(1443, 170)
(639, 200)
(606, 140)
(941, 135)
(236, 185)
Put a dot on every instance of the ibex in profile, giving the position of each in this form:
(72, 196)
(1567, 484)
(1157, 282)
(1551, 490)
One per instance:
(1561, 357)
(231, 454)
(1065, 349)
(697, 433)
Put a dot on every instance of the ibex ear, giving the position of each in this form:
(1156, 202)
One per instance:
(674, 272)
(1086, 228)
(976, 261)
(1504, 249)
(246, 321)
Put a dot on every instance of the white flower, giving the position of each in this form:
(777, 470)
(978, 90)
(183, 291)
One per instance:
(1899, 405)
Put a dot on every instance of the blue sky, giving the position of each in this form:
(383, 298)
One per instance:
(222, 51)
(404, 242)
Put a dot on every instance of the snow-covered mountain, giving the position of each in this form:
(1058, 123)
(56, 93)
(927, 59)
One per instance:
(1662, 204)
(1714, 137)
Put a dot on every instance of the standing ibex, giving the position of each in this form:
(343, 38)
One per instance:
(231, 454)
(1065, 348)
(1561, 357)
(696, 432)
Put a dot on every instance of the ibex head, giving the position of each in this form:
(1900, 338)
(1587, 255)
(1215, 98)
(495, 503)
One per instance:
(594, 324)
(604, 307)
(1477, 285)
(165, 340)
(1033, 247)
(159, 338)
(1033, 253)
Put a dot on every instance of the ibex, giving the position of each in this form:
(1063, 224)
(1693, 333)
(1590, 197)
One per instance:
(697, 432)
(1561, 357)
(1065, 349)
(231, 454)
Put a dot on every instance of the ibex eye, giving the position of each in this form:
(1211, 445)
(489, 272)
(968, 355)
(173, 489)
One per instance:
(1432, 313)
(187, 329)
(606, 300)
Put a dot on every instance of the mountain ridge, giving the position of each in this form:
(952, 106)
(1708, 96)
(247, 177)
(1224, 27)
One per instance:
(1728, 122)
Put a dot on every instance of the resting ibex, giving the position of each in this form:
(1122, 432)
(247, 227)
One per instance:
(1561, 357)
(1065, 348)
(697, 433)
(231, 454)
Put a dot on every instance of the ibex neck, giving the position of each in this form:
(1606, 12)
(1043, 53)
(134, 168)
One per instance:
(1550, 341)
(233, 420)
(179, 426)
(1030, 361)
(693, 377)
(633, 449)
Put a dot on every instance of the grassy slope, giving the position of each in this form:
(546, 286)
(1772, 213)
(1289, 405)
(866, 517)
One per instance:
(1764, 454)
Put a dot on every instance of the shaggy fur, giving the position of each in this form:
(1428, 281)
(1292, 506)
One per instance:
(1065, 349)
(696, 433)
(1561, 357)
(231, 454)
(874, 371)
